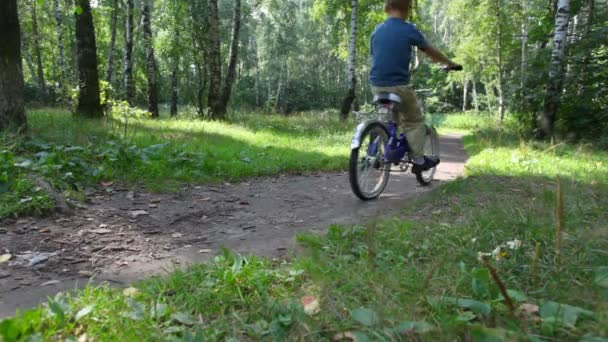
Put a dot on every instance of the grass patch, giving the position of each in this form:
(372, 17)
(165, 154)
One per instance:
(73, 154)
(411, 277)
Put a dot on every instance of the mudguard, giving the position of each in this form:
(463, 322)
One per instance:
(356, 142)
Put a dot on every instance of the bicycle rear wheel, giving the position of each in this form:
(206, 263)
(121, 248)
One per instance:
(367, 172)
(431, 149)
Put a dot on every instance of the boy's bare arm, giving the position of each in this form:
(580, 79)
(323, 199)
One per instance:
(437, 57)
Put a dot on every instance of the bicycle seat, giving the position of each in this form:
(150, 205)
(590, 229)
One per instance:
(385, 98)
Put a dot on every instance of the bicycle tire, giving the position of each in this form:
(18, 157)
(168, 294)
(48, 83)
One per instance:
(355, 167)
(432, 150)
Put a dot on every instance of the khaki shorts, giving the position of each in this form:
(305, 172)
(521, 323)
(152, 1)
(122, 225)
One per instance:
(408, 116)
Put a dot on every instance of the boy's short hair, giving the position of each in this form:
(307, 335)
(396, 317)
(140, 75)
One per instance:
(399, 5)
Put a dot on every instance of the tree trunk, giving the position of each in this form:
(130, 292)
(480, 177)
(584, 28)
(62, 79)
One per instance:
(37, 52)
(88, 77)
(556, 69)
(59, 24)
(129, 81)
(475, 100)
(230, 74)
(110, 65)
(174, 72)
(499, 86)
(12, 110)
(524, 59)
(352, 51)
(29, 62)
(214, 62)
(151, 69)
(465, 93)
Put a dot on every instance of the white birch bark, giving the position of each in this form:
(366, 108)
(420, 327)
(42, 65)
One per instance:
(556, 69)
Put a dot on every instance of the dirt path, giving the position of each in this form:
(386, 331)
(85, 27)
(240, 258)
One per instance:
(124, 235)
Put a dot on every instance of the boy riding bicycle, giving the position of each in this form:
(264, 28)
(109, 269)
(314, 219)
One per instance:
(391, 47)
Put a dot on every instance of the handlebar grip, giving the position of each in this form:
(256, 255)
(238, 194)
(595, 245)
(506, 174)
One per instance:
(454, 68)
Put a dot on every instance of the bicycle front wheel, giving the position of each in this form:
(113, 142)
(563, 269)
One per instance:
(368, 173)
(431, 149)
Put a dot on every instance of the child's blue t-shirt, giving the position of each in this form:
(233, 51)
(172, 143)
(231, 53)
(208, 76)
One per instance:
(391, 48)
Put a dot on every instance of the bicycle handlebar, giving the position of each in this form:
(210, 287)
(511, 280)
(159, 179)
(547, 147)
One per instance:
(453, 68)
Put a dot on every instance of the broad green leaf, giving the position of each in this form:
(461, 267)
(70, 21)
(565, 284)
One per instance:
(183, 318)
(365, 316)
(56, 310)
(84, 311)
(601, 276)
(479, 333)
(590, 338)
(471, 304)
(563, 313)
(137, 310)
(481, 282)
(78, 10)
(419, 327)
(466, 316)
(514, 295)
(159, 310)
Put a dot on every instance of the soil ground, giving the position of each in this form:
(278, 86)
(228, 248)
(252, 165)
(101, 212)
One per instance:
(124, 235)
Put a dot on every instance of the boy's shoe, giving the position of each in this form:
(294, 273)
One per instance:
(429, 163)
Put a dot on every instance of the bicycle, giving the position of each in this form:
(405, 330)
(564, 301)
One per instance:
(383, 148)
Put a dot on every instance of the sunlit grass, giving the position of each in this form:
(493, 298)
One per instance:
(505, 154)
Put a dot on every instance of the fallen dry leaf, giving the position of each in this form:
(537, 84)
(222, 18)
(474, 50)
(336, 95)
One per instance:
(138, 213)
(530, 309)
(205, 251)
(50, 282)
(100, 231)
(107, 184)
(130, 292)
(349, 336)
(311, 305)
(5, 258)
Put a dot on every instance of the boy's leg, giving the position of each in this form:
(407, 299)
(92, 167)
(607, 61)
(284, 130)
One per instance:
(409, 118)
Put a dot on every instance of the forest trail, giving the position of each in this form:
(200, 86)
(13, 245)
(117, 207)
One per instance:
(123, 236)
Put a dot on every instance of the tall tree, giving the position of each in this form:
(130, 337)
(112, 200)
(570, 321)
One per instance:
(500, 60)
(113, 29)
(352, 78)
(129, 81)
(151, 68)
(214, 62)
(556, 69)
(231, 73)
(60, 46)
(37, 49)
(12, 110)
(88, 95)
(174, 71)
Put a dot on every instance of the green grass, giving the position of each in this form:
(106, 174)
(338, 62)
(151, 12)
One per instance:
(73, 154)
(414, 276)
(246, 146)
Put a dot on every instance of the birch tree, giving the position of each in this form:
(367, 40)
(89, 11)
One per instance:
(151, 68)
(214, 62)
(352, 53)
(556, 69)
(129, 81)
(113, 29)
(231, 72)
